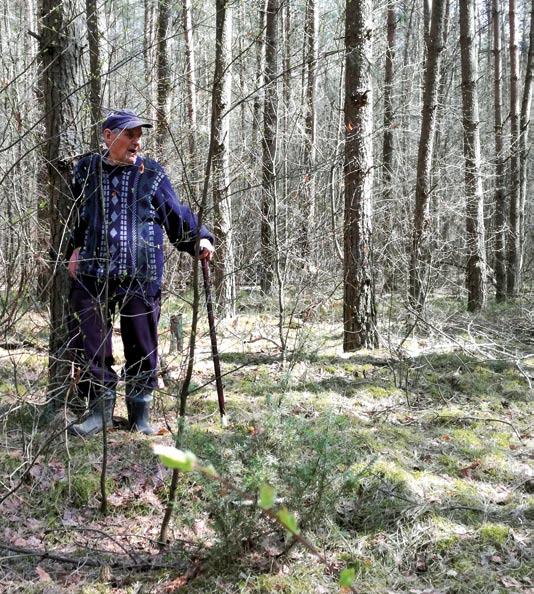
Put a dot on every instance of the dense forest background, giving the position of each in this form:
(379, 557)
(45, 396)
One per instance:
(365, 167)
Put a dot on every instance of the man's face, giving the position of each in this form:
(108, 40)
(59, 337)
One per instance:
(123, 145)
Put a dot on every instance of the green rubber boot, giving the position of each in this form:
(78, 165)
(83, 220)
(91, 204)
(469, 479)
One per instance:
(100, 412)
(138, 407)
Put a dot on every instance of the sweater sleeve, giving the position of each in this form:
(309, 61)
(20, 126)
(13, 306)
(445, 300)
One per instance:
(179, 221)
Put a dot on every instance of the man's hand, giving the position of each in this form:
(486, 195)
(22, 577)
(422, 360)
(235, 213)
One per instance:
(206, 250)
(73, 263)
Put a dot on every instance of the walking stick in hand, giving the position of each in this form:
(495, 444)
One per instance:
(213, 337)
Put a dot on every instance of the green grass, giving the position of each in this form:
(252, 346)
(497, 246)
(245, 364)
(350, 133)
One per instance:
(416, 488)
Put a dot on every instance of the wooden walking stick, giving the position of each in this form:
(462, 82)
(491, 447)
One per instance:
(213, 337)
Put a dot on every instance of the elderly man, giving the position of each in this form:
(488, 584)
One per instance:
(116, 262)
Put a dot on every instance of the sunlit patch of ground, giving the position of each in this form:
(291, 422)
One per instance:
(411, 466)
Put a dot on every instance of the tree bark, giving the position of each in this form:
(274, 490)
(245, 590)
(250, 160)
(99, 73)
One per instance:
(526, 105)
(420, 254)
(60, 55)
(95, 98)
(163, 73)
(513, 252)
(311, 26)
(149, 54)
(476, 251)
(283, 211)
(427, 18)
(500, 198)
(387, 142)
(260, 73)
(222, 89)
(191, 97)
(270, 122)
(359, 312)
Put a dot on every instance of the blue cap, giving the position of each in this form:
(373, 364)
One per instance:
(124, 119)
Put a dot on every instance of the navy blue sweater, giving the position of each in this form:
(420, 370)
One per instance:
(119, 224)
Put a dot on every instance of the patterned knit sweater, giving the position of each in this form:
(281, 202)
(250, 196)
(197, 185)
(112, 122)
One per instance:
(119, 224)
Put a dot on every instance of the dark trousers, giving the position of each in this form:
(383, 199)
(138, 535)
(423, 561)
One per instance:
(93, 308)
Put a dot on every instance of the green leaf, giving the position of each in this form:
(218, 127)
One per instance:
(288, 520)
(346, 577)
(174, 458)
(267, 497)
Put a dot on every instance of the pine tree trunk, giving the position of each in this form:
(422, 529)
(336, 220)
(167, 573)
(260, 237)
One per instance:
(359, 313)
(476, 251)
(270, 122)
(311, 26)
(513, 253)
(440, 143)
(222, 89)
(59, 59)
(427, 18)
(260, 73)
(420, 254)
(191, 98)
(95, 99)
(387, 143)
(163, 74)
(148, 54)
(526, 105)
(500, 198)
(283, 214)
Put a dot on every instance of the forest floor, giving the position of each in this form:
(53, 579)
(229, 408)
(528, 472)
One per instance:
(409, 464)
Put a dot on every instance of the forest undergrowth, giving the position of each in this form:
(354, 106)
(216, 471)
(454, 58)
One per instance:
(409, 464)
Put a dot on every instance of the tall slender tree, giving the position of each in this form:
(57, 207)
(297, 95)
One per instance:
(359, 312)
(60, 55)
(500, 198)
(222, 91)
(475, 238)
(513, 246)
(163, 72)
(191, 96)
(420, 253)
(260, 72)
(148, 53)
(387, 141)
(311, 23)
(270, 123)
(95, 99)
(526, 105)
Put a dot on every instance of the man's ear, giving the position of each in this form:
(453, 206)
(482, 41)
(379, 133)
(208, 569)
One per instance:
(106, 135)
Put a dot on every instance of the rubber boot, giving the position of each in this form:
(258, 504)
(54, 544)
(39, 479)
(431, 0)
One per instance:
(139, 413)
(94, 422)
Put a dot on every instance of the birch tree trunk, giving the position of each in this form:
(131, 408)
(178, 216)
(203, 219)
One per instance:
(420, 254)
(60, 56)
(359, 312)
(222, 89)
(270, 122)
(476, 252)
(500, 199)
(513, 253)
